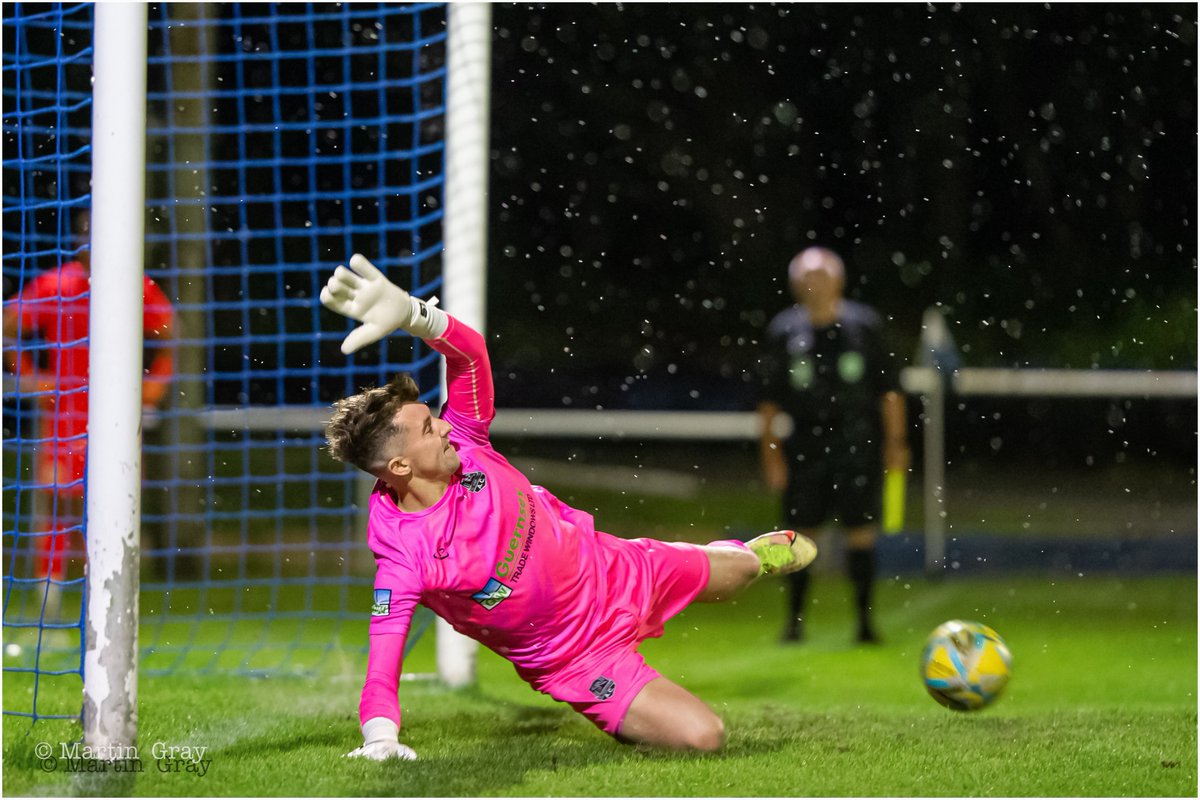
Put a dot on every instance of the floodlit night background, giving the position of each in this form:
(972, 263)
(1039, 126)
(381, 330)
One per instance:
(1025, 171)
(1029, 170)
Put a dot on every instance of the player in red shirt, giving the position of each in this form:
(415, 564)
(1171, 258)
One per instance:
(47, 321)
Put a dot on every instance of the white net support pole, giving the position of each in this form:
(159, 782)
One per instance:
(931, 386)
(464, 266)
(934, 407)
(114, 461)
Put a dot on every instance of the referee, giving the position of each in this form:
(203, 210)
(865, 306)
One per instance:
(826, 366)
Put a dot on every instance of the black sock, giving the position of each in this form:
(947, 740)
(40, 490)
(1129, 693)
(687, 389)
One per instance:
(797, 595)
(860, 566)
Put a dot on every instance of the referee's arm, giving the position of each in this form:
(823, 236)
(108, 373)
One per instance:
(894, 412)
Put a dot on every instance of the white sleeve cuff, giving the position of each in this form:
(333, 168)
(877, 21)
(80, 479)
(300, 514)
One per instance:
(380, 729)
(427, 320)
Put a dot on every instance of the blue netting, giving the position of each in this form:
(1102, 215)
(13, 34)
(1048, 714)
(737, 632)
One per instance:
(281, 139)
(47, 160)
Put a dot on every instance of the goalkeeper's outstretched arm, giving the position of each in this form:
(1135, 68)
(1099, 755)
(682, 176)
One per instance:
(379, 709)
(361, 292)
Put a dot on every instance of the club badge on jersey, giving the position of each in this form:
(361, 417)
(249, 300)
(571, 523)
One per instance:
(602, 688)
(474, 481)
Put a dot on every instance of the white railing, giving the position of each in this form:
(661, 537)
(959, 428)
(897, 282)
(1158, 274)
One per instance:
(932, 386)
(743, 425)
(926, 382)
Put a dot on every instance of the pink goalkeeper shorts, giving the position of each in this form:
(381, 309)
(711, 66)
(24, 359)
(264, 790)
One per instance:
(654, 580)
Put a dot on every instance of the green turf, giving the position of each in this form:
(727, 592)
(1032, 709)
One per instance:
(1102, 703)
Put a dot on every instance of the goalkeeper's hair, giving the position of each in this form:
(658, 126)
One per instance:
(362, 423)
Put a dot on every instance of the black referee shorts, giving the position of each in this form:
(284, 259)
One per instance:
(848, 490)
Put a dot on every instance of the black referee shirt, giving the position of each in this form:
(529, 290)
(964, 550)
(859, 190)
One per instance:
(830, 379)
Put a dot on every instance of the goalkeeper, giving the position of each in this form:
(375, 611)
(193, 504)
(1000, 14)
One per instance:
(455, 527)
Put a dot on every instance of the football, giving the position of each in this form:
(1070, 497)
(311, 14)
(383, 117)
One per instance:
(965, 665)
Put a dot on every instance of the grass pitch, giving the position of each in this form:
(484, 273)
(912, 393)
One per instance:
(1102, 703)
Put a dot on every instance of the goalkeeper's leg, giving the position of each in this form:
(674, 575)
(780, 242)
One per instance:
(630, 701)
(664, 714)
(734, 565)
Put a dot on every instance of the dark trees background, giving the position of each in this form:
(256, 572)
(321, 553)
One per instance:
(1031, 170)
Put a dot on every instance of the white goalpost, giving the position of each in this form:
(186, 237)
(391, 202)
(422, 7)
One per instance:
(114, 458)
(464, 227)
(114, 468)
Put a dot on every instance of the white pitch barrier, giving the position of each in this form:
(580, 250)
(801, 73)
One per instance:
(711, 426)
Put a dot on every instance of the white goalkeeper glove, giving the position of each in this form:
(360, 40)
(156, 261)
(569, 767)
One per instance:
(363, 293)
(380, 735)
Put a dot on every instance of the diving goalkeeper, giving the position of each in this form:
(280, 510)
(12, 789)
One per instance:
(455, 527)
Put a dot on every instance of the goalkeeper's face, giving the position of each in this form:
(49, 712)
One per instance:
(421, 448)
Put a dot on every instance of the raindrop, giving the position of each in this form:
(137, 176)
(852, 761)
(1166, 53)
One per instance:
(786, 113)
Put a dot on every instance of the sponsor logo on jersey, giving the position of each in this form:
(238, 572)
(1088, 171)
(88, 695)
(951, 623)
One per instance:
(474, 481)
(516, 554)
(383, 603)
(602, 688)
(492, 594)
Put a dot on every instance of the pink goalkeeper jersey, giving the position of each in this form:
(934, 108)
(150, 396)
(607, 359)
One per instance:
(503, 561)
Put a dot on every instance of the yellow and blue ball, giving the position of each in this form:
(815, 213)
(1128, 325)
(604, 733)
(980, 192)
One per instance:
(965, 665)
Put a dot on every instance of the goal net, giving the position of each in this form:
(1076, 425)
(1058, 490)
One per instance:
(281, 138)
